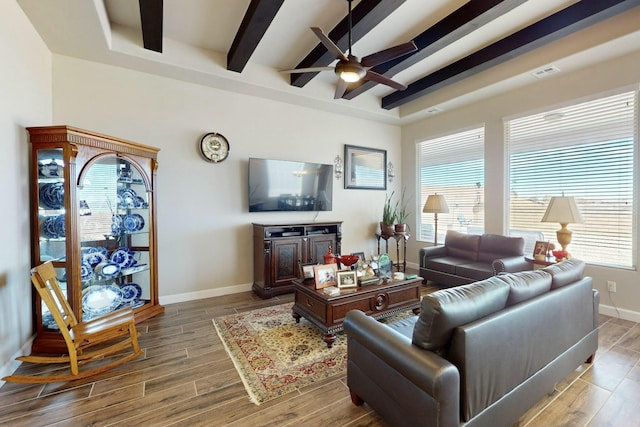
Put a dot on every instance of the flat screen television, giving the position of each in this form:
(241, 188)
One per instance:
(283, 185)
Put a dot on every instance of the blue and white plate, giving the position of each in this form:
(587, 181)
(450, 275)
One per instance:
(123, 257)
(133, 223)
(99, 300)
(117, 225)
(130, 292)
(86, 271)
(108, 269)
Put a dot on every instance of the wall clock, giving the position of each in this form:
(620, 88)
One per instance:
(214, 147)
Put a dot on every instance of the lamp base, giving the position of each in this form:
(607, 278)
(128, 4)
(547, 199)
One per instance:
(564, 236)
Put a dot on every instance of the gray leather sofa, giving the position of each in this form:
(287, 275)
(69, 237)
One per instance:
(466, 258)
(477, 355)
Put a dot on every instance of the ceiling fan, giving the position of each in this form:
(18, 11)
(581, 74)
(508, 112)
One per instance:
(350, 69)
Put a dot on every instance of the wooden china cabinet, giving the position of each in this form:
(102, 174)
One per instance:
(93, 215)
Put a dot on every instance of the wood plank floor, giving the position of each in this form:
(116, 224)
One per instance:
(186, 379)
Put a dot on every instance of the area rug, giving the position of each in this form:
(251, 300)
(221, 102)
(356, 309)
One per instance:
(274, 355)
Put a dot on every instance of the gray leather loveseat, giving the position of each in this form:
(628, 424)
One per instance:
(477, 355)
(466, 258)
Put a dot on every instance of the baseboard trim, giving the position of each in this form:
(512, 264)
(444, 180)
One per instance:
(13, 364)
(620, 313)
(209, 293)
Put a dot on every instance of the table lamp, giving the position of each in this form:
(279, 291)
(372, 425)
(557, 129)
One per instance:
(563, 209)
(435, 204)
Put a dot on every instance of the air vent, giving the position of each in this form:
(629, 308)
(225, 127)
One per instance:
(547, 71)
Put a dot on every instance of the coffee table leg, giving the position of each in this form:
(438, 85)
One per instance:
(330, 339)
(296, 316)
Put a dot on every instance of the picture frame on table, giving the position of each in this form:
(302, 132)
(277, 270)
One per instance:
(365, 168)
(347, 279)
(540, 250)
(361, 256)
(306, 271)
(325, 275)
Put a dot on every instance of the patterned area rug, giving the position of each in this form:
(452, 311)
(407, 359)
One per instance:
(274, 355)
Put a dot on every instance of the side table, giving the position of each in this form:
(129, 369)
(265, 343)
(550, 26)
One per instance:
(398, 237)
(539, 263)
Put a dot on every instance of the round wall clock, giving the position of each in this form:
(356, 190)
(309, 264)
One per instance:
(214, 147)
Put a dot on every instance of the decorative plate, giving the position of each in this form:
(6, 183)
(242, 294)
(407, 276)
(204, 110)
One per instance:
(99, 300)
(130, 292)
(117, 225)
(140, 202)
(86, 271)
(123, 257)
(108, 269)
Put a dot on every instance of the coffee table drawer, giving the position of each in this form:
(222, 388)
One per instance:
(313, 306)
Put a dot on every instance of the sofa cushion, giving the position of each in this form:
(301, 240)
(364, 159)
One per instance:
(444, 310)
(565, 272)
(493, 246)
(445, 264)
(461, 245)
(475, 270)
(526, 285)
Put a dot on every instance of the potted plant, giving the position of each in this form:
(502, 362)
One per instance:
(402, 213)
(388, 216)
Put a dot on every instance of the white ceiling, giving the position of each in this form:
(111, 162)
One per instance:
(198, 34)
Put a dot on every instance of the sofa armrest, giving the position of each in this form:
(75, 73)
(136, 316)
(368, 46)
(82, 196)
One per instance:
(380, 354)
(510, 264)
(432, 252)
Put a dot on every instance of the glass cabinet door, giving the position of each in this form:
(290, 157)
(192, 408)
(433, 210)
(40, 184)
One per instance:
(113, 218)
(52, 241)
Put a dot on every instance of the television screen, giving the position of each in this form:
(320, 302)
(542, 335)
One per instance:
(283, 185)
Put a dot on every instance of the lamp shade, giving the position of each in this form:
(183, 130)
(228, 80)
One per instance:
(562, 210)
(435, 204)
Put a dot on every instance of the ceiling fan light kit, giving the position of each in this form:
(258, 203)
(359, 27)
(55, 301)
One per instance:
(349, 69)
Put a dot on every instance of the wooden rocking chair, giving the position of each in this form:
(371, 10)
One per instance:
(108, 334)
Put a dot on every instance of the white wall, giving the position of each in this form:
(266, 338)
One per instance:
(205, 234)
(25, 85)
(550, 92)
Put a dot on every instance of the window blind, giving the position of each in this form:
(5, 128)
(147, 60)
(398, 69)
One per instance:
(587, 151)
(452, 166)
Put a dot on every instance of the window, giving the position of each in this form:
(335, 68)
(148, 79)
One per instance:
(452, 166)
(586, 151)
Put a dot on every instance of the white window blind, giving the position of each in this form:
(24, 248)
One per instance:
(586, 151)
(452, 166)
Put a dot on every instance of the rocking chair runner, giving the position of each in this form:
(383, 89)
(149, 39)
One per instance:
(111, 333)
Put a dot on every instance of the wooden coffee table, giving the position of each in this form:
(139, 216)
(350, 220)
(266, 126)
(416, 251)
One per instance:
(384, 299)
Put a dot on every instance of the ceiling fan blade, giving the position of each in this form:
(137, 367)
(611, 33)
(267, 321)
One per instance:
(340, 89)
(307, 70)
(379, 78)
(331, 47)
(388, 54)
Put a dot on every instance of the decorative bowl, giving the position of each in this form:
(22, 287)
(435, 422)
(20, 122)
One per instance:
(560, 255)
(348, 260)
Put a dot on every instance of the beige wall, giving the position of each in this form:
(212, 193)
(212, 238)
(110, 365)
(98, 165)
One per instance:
(623, 72)
(205, 234)
(25, 100)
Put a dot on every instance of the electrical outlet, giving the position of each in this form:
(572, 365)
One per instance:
(611, 286)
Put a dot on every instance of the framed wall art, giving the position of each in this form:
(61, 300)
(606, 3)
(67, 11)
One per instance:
(365, 168)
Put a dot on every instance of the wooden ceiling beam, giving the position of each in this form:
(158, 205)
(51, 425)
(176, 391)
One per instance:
(567, 21)
(255, 23)
(151, 21)
(366, 15)
(463, 21)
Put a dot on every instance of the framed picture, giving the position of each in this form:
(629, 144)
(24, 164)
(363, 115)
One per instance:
(347, 279)
(325, 275)
(306, 271)
(361, 257)
(540, 249)
(365, 168)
